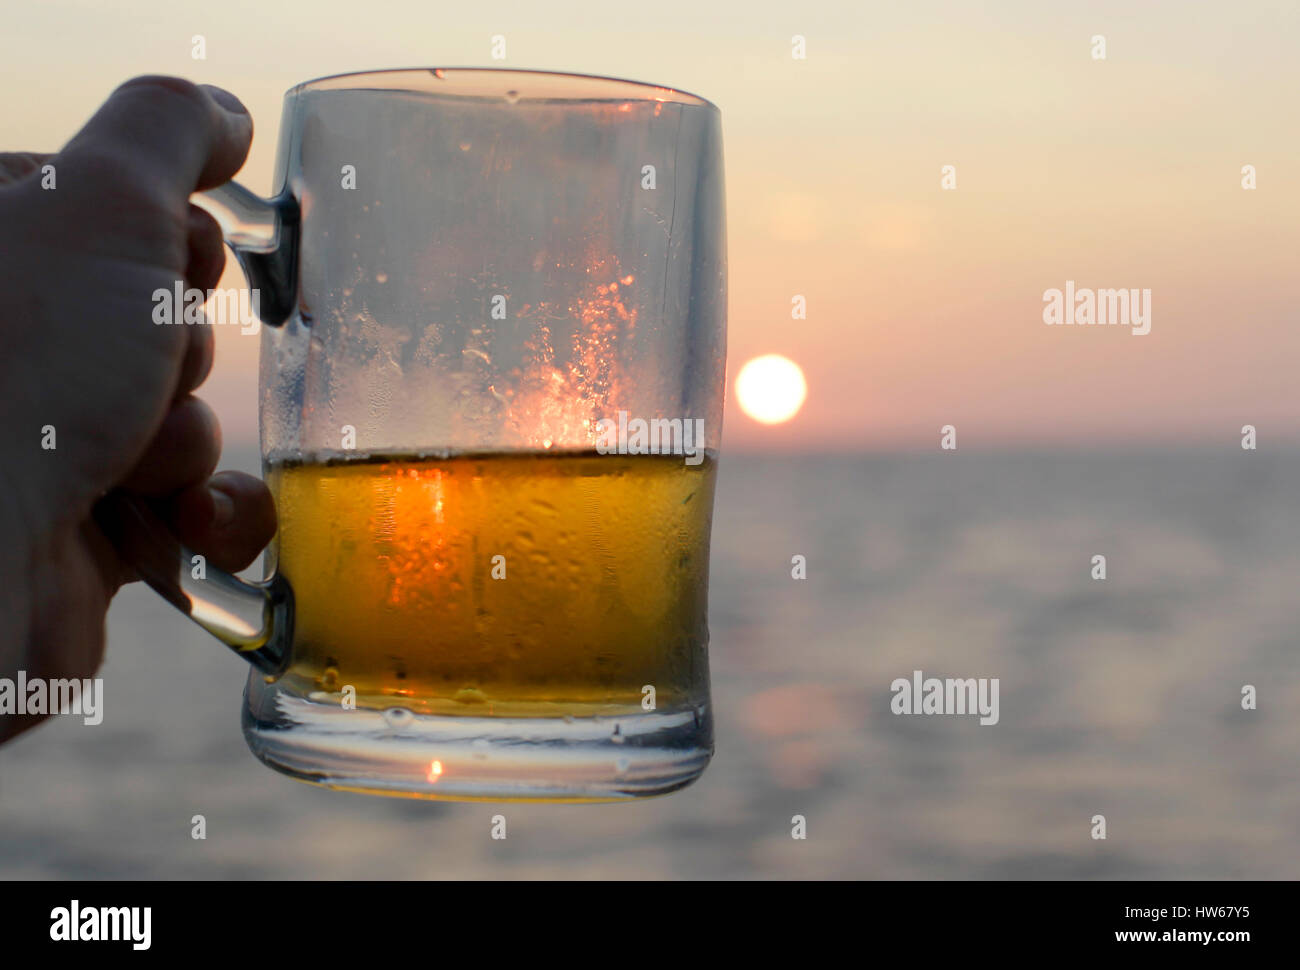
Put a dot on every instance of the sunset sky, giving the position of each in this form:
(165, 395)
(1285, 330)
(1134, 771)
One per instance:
(924, 305)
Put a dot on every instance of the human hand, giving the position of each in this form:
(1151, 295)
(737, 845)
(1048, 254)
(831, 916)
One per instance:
(79, 352)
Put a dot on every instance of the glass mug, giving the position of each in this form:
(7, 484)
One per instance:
(491, 399)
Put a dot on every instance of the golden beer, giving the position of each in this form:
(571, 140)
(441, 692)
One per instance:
(511, 584)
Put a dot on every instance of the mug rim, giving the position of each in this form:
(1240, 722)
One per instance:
(434, 77)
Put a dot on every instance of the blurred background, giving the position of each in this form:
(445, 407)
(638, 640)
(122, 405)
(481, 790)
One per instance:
(924, 308)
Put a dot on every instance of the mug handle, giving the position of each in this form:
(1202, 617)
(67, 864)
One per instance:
(254, 619)
(264, 234)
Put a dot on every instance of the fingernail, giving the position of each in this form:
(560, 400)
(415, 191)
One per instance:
(223, 508)
(225, 99)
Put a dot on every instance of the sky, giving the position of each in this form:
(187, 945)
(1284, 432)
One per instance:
(924, 304)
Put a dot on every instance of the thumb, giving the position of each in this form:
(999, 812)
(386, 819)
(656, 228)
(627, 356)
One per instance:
(169, 132)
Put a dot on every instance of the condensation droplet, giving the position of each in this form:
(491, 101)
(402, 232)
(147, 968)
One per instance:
(398, 717)
(470, 695)
(512, 97)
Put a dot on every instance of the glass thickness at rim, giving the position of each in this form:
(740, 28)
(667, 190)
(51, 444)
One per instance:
(493, 83)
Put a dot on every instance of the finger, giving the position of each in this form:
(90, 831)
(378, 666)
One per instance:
(199, 353)
(17, 165)
(183, 452)
(229, 519)
(207, 250)
(169, 131)
(206, 260)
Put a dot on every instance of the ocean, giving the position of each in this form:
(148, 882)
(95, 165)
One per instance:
(1119, 697)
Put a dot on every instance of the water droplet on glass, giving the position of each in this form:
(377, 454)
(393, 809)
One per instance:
(464, 146)
(470, 695)
(621, 766)
(381, 277)
(617, 736)
(568, 719)
(512, 97)
(398, 717)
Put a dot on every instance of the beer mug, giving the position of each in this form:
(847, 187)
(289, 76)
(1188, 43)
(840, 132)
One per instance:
(492, 374)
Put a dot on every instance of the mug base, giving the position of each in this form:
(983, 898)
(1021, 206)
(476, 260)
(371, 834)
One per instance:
(400, 753)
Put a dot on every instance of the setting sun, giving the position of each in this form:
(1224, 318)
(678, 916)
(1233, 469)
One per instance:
(771, 389)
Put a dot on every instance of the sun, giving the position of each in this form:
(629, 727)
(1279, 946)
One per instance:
(771, 389)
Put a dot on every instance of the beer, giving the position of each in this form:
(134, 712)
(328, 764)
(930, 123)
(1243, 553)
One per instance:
(510, 584)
